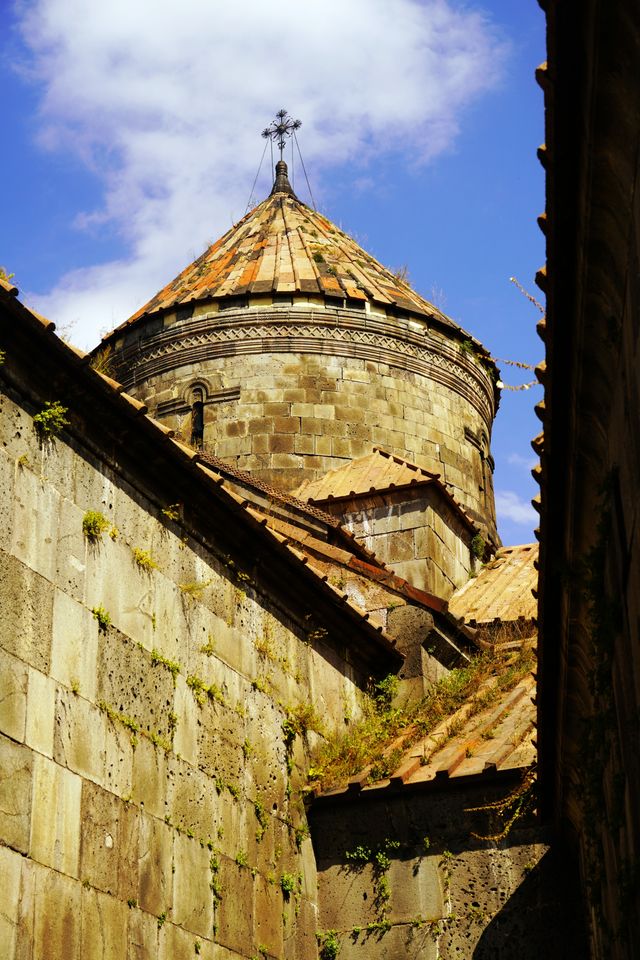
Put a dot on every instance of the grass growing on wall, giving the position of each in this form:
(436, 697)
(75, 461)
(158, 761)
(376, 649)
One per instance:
(483, 680)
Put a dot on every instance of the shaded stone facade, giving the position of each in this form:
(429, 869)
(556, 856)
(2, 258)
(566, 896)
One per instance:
(589, 690)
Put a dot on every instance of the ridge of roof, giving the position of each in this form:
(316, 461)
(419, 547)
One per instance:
(226, 468)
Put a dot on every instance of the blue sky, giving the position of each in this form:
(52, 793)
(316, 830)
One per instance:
(132, 137)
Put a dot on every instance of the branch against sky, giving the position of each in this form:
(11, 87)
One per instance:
(165, 104)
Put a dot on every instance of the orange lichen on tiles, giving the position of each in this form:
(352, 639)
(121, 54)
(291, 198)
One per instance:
(283, 242)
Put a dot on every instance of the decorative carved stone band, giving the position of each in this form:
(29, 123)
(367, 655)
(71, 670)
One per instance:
(294, 331)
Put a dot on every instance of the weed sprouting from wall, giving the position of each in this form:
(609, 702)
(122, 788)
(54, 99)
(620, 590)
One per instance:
(144, 559)
(103, 618)
(328, 944)
(172, 666)
(94, 524)
(195, 589)
(506, 811)
(51, 420)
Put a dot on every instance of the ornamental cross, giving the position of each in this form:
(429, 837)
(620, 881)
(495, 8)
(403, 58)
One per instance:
(283, 126)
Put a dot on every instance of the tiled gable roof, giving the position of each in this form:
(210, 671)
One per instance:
(377, 472)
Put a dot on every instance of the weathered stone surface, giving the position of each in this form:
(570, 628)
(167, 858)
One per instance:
(178, 944)
(346, 896)
(268, 926)
(192, 896)
(109, 842)
(104, 926)
(235, 915)
(406, 940)
(142, 935)
(41, 705)
(79, 735)
(155, 866)
(13, 696)
(10, 871)
(191, 799)
(50, 915)
(300, 932)
(16, 765)
(55, 820)
(74, 645)
(132, 685)
(26, 600)
(149, 787)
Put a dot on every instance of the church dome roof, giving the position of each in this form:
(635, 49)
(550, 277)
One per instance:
(283, 246)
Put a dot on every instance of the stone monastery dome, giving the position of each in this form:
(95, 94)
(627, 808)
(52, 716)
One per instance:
(287, 350)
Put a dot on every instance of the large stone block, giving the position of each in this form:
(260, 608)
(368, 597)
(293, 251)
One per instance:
(235, 914)
(300, 932)
(109, 842)
(346, 896)
(191, 799)
(13, 696)
(409, 941)
(104, 927)
(74, 645)
(55, 818)
(417, 889)
(16, 766)
(26, 600)
(400, 546)
(149, 786)
(10, 871)
(192, 896)
(155, 866)
(36, 515)
(134, 686)
(268, 926)
(50, 915)
(41, 706)
(79, 735)
(142, 936)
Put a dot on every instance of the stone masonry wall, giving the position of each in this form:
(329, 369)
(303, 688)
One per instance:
(403, 877)
(292, 394)
(416, 538)
(147, 788)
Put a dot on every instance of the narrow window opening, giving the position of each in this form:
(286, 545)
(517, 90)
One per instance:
(197, 419)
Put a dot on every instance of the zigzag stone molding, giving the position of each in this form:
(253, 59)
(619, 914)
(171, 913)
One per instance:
(335, 333)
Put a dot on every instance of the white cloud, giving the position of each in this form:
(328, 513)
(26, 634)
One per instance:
(165, 102)
(525, 463)
(510, 506)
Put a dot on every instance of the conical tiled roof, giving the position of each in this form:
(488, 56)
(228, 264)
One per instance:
(284, 247)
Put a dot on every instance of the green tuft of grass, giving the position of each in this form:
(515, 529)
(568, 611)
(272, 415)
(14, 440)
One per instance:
(51, 420)
(94, 525)
(144, 559)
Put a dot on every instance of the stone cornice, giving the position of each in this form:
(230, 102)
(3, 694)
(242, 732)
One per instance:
(344, 333)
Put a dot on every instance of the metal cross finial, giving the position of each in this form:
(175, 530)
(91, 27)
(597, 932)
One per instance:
(282, 127)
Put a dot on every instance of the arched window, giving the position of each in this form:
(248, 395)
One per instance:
(197, 418)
